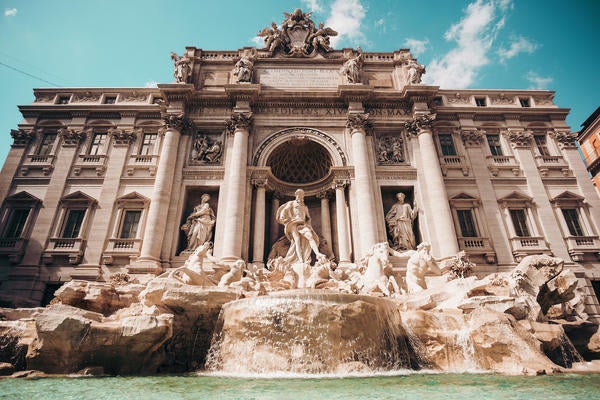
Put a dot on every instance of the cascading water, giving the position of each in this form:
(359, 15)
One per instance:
(315, 332)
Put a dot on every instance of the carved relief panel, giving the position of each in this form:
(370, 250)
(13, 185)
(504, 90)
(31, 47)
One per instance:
(207, 148)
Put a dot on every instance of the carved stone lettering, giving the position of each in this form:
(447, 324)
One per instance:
(297, 77)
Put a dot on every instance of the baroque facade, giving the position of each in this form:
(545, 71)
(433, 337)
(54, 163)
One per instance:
(101, 181)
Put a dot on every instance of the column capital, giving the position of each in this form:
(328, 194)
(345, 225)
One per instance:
(259, 182)
(564, 137)
(472, 137)
(325, 194)
(358, 122)
(419, 124)
(123, 137)
(176, 121)
(519, 137)
(22, 137)
(239, 121)
(72, 137)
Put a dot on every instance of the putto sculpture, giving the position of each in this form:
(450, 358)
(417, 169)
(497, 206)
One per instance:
(297, 36)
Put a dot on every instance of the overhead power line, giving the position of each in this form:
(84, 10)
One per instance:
(28, 74)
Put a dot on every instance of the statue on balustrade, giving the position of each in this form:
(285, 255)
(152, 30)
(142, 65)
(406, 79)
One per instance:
(298, 229)
(244, 69)
(400, 224)
(199, 224)
(352, 69)
(182, 67)
(415, 71)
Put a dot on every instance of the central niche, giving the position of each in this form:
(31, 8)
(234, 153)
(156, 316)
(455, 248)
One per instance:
(300, 161)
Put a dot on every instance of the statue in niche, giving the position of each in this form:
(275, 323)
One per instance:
(390, 150)
(414, 72)
(400, 220)
(244, 69)
(182, 67)
(297, 227)
(199, 224)
(352, 69)
(320, 38)
(419, 263)
(207, 151)
(273, 37)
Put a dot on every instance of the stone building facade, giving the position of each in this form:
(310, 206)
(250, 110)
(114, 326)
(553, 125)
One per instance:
(589, 141)
(100, 180)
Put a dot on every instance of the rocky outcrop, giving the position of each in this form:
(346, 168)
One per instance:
(100, 297)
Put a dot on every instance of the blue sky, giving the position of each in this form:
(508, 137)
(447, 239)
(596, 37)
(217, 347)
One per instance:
(488, 44)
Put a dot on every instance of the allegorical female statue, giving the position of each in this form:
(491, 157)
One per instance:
(400, 220)
(199, 224)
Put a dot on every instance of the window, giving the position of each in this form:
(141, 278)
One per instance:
(63, 99)
(73, 224)
(16, 223)
(447, 145)
(519, 220)
(480, 101)
(97, 145)
(131, 221)
(110, 99)
(46, 145)
(147, 146)
(524, 102)
(541, 144)
(572, 220)
(467, 223)
(438, 101)
(157, 100)
(494, 144)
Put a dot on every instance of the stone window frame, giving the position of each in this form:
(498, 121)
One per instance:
(570, 201)
(14, 246)
(101, 150)
(123, 250)
(74, 201)
(464, 201)
(525, 102)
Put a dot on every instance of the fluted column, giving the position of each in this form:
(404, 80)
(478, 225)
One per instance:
(325, 219)
(258, 248)
(447, 243)
(344, 253)
(150, 257)
(274, 223)
(239, 126)
(364, 181)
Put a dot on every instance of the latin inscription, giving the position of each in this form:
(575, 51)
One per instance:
(291, 77)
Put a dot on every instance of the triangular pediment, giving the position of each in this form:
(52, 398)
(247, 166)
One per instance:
(516, 196)
(566, 195)
(79, 197)
(133, 197)
(22, 196)
(464, 196)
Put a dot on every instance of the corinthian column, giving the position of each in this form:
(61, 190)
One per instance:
(149, 259)
(325, 219)
(364, 181)
(238, 125)
(258, 248)
(446, 244)
(342, 221)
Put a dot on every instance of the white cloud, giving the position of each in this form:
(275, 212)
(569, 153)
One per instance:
(380, 22)
(258, 41)
(346, 17)
(10, 12)
(313, 5)
(474, 36)
(538, 82)
(518, 45)
(416, 46)
(151, 84)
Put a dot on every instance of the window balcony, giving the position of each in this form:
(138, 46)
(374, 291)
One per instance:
(527, 245)
(94, 162)
(121, 247)
(45, 163)
(14, 248)
(448, 163)
(478, 245)
(548, 164)
(142, 162)
(502, 163)
(72, 248)
(578, 246)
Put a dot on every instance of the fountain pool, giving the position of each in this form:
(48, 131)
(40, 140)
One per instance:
(410, 386)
